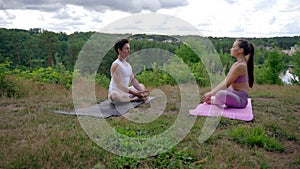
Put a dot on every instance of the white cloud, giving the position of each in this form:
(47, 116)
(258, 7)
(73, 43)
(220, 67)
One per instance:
(235, 18)
(133, 6)
(151, 23)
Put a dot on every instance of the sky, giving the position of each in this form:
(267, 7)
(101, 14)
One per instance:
(217, 18)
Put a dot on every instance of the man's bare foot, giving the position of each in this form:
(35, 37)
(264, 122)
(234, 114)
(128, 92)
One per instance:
(139, 99)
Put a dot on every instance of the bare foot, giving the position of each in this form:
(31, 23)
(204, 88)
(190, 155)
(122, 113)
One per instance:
(139, 99)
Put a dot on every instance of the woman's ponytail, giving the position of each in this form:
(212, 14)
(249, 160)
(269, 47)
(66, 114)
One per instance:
(248, 50)
(250, 65)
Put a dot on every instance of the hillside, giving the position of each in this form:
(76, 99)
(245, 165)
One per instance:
(32, 136)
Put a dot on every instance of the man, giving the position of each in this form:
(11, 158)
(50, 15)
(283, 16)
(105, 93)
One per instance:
(122, 76)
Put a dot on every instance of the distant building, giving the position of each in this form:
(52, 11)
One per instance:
(269, 48)
(290, 52)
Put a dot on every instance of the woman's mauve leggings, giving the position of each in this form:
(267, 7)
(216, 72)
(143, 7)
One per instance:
(231, 98)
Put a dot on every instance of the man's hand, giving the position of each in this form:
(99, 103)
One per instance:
(142, 94)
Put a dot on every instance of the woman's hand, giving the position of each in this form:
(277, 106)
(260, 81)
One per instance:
(206, 97)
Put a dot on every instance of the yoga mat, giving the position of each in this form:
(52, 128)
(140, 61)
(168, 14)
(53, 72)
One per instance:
(205, 109)
(104, 109)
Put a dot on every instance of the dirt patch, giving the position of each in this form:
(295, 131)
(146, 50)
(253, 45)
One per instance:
(172, 112)
(287, 158)
(11, 107)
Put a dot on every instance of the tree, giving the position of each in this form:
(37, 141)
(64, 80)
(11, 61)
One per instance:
(296, 64)
(49, 42)
(272, 68)
(187, 54)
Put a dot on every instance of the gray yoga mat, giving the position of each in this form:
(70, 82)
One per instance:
(104, 109)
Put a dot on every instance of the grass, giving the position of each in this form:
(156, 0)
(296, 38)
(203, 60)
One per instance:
(255, 136)
(31, 136)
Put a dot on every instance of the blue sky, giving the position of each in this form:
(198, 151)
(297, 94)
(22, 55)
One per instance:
(219, 18)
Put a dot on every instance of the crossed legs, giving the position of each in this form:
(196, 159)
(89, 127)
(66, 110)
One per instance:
(120, 96)
(231, 98)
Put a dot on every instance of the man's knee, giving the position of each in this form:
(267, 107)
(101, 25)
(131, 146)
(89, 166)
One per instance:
(116, 96)
(113, 95)
(142, 86)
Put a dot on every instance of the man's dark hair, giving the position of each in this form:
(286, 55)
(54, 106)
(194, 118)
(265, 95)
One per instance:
(120, 43)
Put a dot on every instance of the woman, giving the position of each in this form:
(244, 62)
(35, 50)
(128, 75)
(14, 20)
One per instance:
(233, 91)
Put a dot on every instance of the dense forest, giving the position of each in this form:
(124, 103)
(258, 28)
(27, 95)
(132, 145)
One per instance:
(30, 52)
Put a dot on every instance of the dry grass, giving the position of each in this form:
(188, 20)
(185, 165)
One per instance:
(31, 136)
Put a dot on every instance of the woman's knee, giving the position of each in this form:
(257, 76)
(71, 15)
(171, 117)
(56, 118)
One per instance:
(221, 94)
(220, 97)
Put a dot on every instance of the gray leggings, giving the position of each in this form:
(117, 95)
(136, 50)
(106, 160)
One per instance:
(231, 98)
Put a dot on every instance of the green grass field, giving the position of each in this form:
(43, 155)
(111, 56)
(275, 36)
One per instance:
(31, 136)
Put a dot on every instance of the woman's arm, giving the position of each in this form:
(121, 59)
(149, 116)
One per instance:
(208, 95)
(234, 73)
(220, 86)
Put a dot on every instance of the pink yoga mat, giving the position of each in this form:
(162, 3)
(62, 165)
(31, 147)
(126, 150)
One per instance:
(205, 109)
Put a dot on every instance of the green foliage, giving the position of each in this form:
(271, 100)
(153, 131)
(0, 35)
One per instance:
(155, 77)
(47, 75)
(255, 137)
(170, 159)
(124, 162)
(102, 80)
(56, 75)
(226, 60)
(175, 71)
(260, 56)
(7, 87)
(296, 64)
(259, 72)
(187, 54)
(174, 159)
(225, 43)
(270, 70)
(38, 48)
(200, 74)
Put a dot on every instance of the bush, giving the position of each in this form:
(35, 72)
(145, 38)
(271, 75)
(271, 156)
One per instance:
(255, 137)
(7, 87)
(174, 72)
(47, 75)
(102, 80)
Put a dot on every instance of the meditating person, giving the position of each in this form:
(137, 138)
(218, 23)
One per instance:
(122, 76)
(233, 91)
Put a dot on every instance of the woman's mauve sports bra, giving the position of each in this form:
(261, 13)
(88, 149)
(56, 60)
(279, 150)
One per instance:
(241, 79)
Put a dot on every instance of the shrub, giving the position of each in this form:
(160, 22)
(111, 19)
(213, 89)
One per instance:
(102, 80)
(255, 137)
(7, 87)
(175, 71)
(47, 75)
